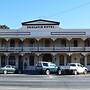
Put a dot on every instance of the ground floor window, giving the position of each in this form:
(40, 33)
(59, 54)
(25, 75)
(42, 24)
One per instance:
(82, 61)
(11, 60)
(47, 58)
(61, 60)
(31, 60)
(68, 59)
(88, 60)
(3, 61)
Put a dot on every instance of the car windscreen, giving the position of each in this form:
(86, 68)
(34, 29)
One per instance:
(72, 65)
(45, 64)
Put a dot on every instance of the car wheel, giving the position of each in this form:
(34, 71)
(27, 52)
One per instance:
(47, 72)
(59, 72)
(5, 72)
(75, 72)
(85, 72)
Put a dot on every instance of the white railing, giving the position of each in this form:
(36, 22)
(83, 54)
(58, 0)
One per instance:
(76, 48)
(45, 48)
(14, 49)
(3, 48)
(61, 48)
(87, 48)
(27, 49)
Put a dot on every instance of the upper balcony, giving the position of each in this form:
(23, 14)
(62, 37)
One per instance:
(57, 45)
(37, 49)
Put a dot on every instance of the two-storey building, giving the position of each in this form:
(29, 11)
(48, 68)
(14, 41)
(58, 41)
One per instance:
(43, 40)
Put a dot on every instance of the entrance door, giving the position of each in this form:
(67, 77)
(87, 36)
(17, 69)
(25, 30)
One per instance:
(20, 63)
(47, 57)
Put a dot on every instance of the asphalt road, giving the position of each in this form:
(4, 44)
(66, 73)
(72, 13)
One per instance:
(39, 82)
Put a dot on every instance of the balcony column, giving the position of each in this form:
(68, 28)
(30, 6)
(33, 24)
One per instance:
(85, 60)
(0, 61)
(17, 58)
(65, 60)
(38, 43)
(7, 58)
(69, 39)
(53, 39)
(53, 57)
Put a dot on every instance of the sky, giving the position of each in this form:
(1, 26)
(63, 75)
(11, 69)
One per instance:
(70, 13)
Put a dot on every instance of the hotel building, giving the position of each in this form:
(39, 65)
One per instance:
(43, 40)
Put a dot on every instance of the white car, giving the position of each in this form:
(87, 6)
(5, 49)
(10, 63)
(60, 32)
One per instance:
(75, 68)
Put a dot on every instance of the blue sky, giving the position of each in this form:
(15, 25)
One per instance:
(70, 13)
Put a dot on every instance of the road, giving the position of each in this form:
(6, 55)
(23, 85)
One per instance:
(39, 82)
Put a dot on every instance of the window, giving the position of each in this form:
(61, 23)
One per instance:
(75, 43)
(61, 61)
(39, 65)
(12, 43)
(11, 60)
(3, 43)
(52, 65)
(32, 42)
(31, 60)
(47, 42)
(45, 64)
(88, 60)
(79, 65)
(3, 61)
(41, 26)
(68, 59)
(20, 43)
(87, 43)
(72, 65)
(63, 43)
(8, 66)
(82, 60)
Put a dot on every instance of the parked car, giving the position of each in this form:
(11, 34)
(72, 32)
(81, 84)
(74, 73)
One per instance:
(47, 68)
(7, 69)
(74, 68)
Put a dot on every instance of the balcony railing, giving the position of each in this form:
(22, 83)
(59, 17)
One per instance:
(46, 48)
(87, 48)
(61, 48)
(27, 49)
(76, 48)
(3, 49)
(14, 48)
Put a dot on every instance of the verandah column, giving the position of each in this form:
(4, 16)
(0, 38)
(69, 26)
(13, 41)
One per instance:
(16, 60)
(0, 60)
(85, 60)
(65, 59)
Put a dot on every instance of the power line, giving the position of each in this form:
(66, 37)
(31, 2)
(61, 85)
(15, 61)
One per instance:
(71, 9)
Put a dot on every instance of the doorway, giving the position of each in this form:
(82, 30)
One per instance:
(47, 58)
